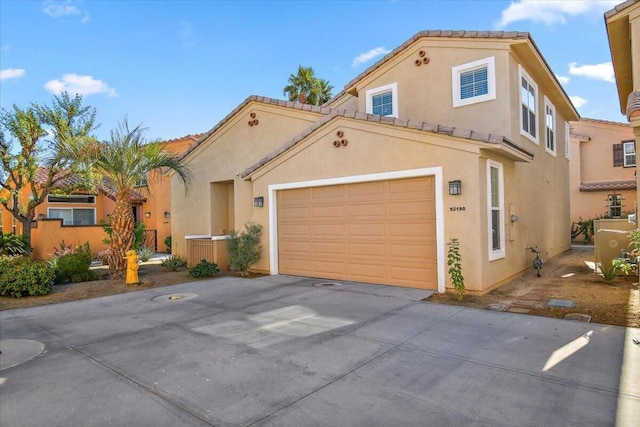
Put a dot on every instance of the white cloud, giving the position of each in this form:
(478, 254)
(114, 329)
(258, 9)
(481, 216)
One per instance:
(578, 101)
(12, 73)
(551, 12)
(57, 9)
(367, 56)
(563, 79)
(84, 85)
(602, 71)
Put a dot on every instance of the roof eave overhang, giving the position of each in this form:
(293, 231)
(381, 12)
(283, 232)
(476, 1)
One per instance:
(619, 45)
(508, 150)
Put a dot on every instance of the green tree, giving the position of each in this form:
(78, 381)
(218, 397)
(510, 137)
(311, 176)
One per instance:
(305, 87)
(119, 163)
(46, 137)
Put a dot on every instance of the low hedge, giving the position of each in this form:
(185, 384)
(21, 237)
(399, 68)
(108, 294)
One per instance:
(19, 276)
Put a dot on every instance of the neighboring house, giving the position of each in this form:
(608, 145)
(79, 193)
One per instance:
(454, 134)
(77, 218)
(623, 30)
(602, 168)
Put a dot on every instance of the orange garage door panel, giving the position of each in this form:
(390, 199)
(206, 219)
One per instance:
(377, 232)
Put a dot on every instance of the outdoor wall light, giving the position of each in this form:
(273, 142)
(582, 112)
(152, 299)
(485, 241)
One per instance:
(167, 214)
(258, 202)
(455, 187)
(147, 214)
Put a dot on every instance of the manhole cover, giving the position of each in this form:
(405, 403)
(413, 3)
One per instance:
(17, 351)
(327, 284)
(175, 297)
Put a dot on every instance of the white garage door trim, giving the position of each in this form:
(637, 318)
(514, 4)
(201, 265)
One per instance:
(436, 172)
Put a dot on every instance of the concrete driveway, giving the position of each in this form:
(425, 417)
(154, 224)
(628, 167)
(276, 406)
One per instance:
(290, 351)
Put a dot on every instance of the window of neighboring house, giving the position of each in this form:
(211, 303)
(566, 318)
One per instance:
(74, 198)
(615, 205)
(74, 216)
(0, 220)
(550, 126)
(383, 100)
(624, 154)
(474, 82)
(629, 150)
(567, 140)
(528, 103)
(495, 202)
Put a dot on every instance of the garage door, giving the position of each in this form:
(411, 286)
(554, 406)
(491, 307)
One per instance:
(376, 232)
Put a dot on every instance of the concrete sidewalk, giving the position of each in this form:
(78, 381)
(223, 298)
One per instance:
(290, 351)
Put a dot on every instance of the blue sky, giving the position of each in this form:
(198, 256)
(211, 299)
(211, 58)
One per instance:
(178, 67)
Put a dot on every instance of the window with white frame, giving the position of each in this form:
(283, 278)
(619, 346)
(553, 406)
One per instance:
(495, 203)
(73, 198)
(567, 136)
(550, 126)
(474, 82)
(528, 104)
(74, 216)
(614, 202)
(383, 100)
(629, 150)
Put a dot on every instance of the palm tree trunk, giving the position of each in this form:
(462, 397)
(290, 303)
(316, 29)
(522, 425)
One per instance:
(122, 237)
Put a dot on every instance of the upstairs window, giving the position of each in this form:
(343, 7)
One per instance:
(550, 126)
(383, 100)
(474, 82)
(528, 103)
(629, 149)
(624, 154)
(74, 198)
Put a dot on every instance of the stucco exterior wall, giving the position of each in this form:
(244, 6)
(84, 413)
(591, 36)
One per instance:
(50, 233)
(592, 161)
(220, 159)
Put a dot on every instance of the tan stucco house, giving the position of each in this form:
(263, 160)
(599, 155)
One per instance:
(623, 30)
(602, 169)
(454, 134)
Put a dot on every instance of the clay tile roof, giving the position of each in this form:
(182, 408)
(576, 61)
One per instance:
(609, 122)
(254, 98)
(633, 102)
(608, 186)
(195, 137)
(74, 181)
(422, 126)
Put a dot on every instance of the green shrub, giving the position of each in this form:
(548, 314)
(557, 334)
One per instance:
(19, 276)
(138, 234)
(168, 242)
(144, 253)
(455, 268)
(245, 248)
(74, 267)
(173, 262)
(13, 244)
(204, 269)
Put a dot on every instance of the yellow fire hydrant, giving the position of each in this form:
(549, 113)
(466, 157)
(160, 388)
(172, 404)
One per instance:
(132, 267)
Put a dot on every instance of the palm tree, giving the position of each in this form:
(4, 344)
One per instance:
(305, 87)
(118, 163)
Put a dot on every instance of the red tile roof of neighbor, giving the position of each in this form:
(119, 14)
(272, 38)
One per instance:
(608, 186)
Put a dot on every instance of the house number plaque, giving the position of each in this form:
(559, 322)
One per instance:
(457, 208)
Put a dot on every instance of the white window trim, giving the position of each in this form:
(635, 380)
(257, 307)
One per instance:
(369, 94)
(490, 63)
(567, 143)
(500, 253)
(548, 103)
(72, 209)
(522, 73)
(624, 155)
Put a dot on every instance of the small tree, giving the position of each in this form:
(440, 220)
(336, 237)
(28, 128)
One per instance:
(46, 137)
(245, 248)
(455, 268)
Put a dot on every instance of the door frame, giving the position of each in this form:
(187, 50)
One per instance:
(436, 172)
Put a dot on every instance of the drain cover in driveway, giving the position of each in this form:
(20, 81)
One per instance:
(327, 284)
(175, 297)
(565, 303)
